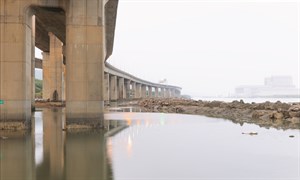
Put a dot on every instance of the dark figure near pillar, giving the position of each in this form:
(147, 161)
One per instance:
(55, 96)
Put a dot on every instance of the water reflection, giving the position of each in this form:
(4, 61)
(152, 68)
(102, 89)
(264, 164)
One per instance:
(48, 152)
(174, 146)
(148, 146)
(16, 155)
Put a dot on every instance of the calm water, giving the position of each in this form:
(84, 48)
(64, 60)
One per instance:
(149, 146)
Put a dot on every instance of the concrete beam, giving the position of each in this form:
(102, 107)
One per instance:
(110, 10)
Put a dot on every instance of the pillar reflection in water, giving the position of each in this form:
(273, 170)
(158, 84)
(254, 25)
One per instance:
(71, 155)
(52, 165)
(48, 152)
(16, 156)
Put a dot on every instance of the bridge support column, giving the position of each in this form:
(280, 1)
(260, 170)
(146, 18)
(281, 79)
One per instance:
(85, 63)
(156, 92)
(138, 90)
(150, 91)
(52, 70)
(106, 87)
(164, 92)
(144, 91)
(121, 88)
(160, 92)
(113, 90)
(168, 93)
(127, 89)
(15, 66)
(133, 84)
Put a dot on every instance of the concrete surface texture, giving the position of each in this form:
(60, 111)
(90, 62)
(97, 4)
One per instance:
(76, 37)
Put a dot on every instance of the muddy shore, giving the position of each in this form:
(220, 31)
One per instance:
(278, 115)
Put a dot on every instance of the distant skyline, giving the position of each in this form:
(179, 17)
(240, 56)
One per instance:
(208, 47)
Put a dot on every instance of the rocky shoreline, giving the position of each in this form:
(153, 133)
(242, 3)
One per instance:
(277, 115)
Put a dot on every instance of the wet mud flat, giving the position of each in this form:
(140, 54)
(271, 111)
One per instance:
(277, 115)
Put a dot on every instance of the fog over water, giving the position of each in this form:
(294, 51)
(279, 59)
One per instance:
(208, 47)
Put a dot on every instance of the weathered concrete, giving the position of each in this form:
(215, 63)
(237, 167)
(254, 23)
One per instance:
(144, 91)
(133, 90)
(150, 91)
(106, 87)
(113, 89)
(121, 89)
(138, 92)
(86, 27)
(15, 65)
(53, 70)
(82, 33)
(167, 93)
(156, 92)
(127, 88)
(33, 64)
(85, 49)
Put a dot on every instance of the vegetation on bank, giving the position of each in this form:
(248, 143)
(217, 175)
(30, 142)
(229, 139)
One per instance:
(38, 88)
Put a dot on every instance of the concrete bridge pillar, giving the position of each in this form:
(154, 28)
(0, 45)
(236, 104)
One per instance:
(133, 84)
(127, 88)
(113, 89)
(15, 65)
(121, 88)
(168, 93)
(106, 87)
(144, 91)
(52, 70)
(85, 62)
(156, 92)
(138, 90)
(162, 92)
(150, 91)
(64, 79)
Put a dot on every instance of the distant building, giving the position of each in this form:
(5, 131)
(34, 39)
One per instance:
(279, 81)
(274, 86)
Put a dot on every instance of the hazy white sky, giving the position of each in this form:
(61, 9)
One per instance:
(208, 47)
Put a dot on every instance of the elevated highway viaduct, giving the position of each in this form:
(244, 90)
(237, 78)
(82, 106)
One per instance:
(79, 33)
(118, 85)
